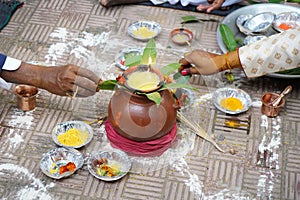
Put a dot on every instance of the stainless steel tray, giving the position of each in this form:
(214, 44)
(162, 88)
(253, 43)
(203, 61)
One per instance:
(254, 9)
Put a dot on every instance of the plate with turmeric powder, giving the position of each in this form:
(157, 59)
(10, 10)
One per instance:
(232, 100)
(72, 134)
(144, 30)
(61, 162)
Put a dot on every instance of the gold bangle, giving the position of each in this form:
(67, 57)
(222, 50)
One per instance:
(227, 61)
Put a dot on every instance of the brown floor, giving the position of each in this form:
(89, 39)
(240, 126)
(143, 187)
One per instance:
(84, 33)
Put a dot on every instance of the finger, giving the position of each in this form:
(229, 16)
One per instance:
(88, 74)
(66, 87)
(194, 70)
(211, 8)
(86, 83)
(82, 92)
(216, 5)
(184, 62)
(202, 7)
(189, 71)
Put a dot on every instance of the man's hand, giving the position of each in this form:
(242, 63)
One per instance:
(69, 80)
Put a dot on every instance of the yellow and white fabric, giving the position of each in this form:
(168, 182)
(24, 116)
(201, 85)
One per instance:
(276, 53)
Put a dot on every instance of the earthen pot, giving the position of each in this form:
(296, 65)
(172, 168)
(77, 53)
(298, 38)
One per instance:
(136, 117)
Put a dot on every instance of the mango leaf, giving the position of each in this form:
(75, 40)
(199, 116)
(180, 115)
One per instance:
(228, 37)
(108, 85)
(154, 96)
(188, 19)
(133, 60)
(275, 1)
(177, 85)
(169, 69)
(149, 52)
(180, 79)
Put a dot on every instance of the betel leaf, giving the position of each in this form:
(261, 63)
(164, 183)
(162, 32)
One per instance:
(149, 53)
(177, 85)
(188, 19)
(180, 79)
(154, 96)
(108, 85)
(228, 37)
(133, 60)
(169, 69)
(295, 71)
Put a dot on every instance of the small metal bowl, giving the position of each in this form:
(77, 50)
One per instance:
(52, 161)
(223, 93)
(260, 23)
(26, 95)
(123, 54)
(181, 36)
(286, 20)
(240, 21)
(253, 38)
(61, 128)
(150, 27)
(115, 158)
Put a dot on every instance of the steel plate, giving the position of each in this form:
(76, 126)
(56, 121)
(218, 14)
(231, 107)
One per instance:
(230, 20)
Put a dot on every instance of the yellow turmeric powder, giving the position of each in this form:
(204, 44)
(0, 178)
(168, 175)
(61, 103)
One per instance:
(231, 103)
(143, 32)
(72, 137)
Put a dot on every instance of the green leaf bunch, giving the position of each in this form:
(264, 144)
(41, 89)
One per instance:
(150, 52)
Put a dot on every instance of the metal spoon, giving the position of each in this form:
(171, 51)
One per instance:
(276, 101)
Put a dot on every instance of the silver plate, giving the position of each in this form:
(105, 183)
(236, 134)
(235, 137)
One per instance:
(64, 126)
(230, 20)
(113, 157)
(56, 158)
(151, 25)
(232, 92)
(121, 55)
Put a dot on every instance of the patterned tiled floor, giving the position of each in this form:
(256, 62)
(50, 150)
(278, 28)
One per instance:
(84, 33)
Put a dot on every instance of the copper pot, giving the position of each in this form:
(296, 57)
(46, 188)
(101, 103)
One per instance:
(267, 108)
(136, 117)
(26, 95)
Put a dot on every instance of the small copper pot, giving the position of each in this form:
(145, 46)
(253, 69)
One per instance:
(267, 108)
(26, 95)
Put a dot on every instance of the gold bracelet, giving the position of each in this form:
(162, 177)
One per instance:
(227, 61)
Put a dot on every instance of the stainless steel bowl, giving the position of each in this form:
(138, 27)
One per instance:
(61, 128)
(52, 161)
(150, 25)
(289, 19)
(115, 158)
(241, 95)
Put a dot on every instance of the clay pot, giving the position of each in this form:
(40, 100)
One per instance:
(136, 117)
